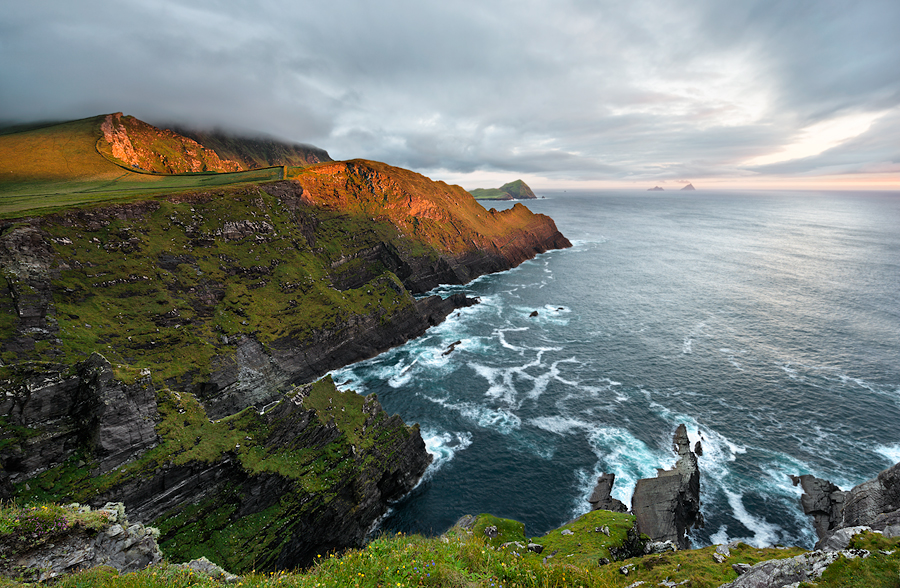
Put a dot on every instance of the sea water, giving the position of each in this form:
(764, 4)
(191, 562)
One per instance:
(767, 322)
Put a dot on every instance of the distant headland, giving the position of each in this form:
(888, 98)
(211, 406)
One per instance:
(516, 190)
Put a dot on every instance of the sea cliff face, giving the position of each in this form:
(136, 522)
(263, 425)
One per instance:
(308, 475)
(162, 352)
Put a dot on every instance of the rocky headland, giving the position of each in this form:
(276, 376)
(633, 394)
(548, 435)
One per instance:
(164, 351)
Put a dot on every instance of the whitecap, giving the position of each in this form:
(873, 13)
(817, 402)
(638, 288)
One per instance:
(443, 447)
(501, 420)
(686, 346)
(890, 452)
(558, 425)
(765, 533)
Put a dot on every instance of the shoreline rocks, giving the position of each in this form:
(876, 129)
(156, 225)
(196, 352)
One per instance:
(874, 504)
(666, 507)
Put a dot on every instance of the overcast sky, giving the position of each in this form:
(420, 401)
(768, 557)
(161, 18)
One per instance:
(560, 93)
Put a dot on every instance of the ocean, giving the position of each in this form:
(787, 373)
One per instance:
(767, 322)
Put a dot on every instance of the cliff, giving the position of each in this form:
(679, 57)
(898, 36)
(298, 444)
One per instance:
(161, 350)
(874, 504)
(264, 489)
(261, 287)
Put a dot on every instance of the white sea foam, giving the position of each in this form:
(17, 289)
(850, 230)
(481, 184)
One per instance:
(443, 447)
(890, 452)
(764, 532)
(720, 537)
(559, 425)
(621, 453)
(501, 420)
(686, 346)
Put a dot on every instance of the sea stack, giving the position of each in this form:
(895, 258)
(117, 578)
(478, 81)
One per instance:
(668, 506)
(689, 187)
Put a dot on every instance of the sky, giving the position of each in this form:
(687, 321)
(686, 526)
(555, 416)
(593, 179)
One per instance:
(562, 93)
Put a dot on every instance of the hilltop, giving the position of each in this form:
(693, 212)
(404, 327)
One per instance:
(165, 322)
(515, 190)
(113, 157)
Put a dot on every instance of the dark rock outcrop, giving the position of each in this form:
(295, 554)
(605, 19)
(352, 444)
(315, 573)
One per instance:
(874, 503)
(254, 375)
(668, 506)
(57, 411)
(54, 417)
(601, 499)
(122, 546)
(823, 501)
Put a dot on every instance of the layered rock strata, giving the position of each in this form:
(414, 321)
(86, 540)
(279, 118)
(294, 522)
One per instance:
(308, 476)
(874, 504)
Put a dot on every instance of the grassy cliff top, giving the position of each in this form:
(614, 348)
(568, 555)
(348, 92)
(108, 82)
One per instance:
(116, 157)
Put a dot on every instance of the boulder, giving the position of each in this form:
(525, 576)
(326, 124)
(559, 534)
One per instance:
(668, 506)
(208, 568)
(840, 539)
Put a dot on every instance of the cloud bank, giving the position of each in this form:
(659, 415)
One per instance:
(563, 91)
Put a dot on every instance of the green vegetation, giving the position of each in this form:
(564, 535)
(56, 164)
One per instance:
(167, 275)
(133, 289)
(466, 559)
(24, 528)
(515, 190)
(212, 527)
(881, 568)
(59, 166)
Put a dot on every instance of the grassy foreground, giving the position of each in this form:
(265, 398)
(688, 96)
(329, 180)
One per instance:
(467, 558)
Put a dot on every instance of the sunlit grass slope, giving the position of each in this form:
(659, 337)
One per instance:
(60, 165)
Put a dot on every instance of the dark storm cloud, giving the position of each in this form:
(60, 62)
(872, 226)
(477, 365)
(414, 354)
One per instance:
(565, 90)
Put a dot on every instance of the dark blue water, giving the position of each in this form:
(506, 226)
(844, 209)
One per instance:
(767, 322)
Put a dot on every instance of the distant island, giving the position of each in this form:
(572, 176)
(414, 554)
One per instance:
(659, 189)
(516, 190)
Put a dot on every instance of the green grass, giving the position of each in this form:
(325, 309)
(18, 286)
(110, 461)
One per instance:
(460, 560)
(490, 194)
(212, 526)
